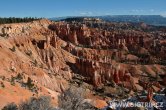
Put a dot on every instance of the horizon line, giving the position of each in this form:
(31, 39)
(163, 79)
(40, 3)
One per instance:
(85, 16)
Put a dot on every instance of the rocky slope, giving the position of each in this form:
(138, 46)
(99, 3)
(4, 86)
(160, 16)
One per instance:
(109, 60)
(31, 50)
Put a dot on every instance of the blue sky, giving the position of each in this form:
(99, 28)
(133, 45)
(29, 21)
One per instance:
(59, 8)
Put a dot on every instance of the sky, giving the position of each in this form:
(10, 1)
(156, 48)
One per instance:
(61, 8)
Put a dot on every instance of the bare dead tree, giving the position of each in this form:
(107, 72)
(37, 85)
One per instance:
(72, 99)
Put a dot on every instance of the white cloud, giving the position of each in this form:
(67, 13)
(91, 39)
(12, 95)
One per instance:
(108, 13)
(152, 10)
(163, 15)
(91, 13)
(147, 11)
(136, 10)
(86, 13)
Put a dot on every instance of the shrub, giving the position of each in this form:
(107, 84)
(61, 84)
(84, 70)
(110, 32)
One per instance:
(2, 85)
(41, 103)
(29, 53)
(29, 83)
(12, 82)
(4, 35)
(72, 99)
(19, 76)
(11, 106)
(35, 63)
(2, 77)
(13, 49)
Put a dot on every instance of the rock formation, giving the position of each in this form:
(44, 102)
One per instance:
(53, 53)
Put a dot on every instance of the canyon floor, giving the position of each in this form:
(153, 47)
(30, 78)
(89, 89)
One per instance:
(109, 60)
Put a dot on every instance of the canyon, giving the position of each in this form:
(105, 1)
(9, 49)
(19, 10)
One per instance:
(108, 59)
